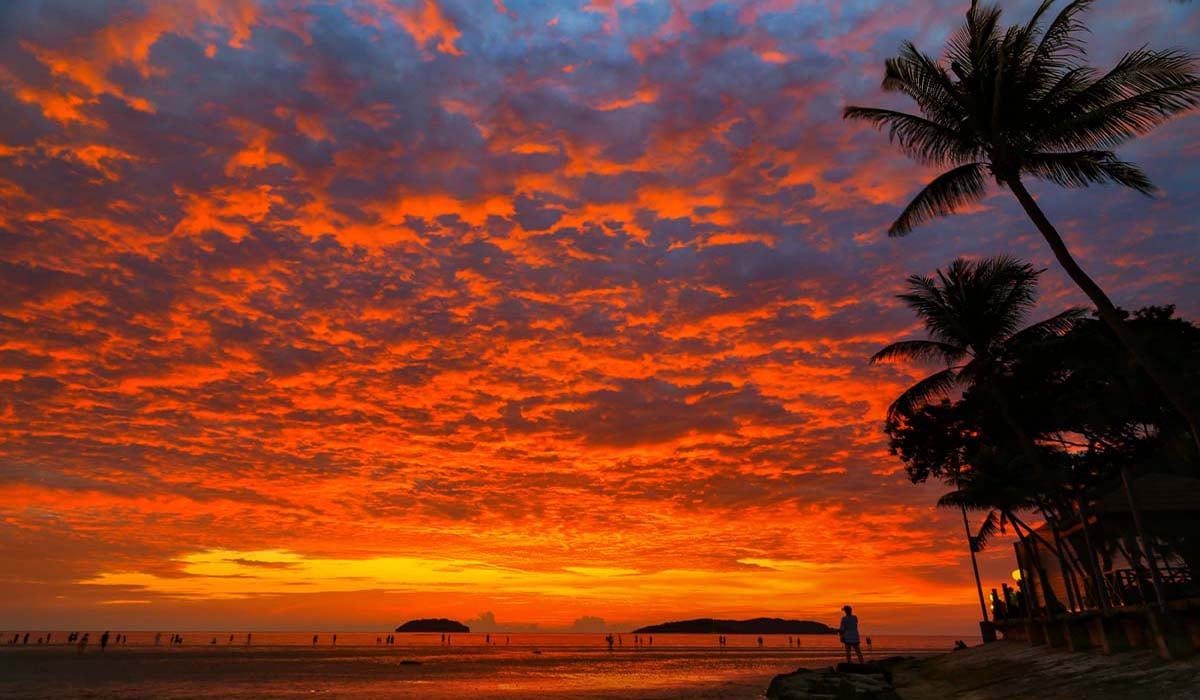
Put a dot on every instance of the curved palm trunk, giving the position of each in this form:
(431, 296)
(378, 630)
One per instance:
(1068, 571)
(974, 564)
(1049, 599)
(1108, 312)
(1026, 578)
(1101, 590)
(1144, 542)
(1029, 447)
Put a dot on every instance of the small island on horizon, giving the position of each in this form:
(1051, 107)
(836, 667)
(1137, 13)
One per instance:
(436, 624)
(758, 625)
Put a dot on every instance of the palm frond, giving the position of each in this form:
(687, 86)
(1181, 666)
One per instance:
(1143, 90)
(974, 42)
(932, 302)
(944, 195)
(967, 497)
(921, 139)
(1034, 25)
(934, 386)
(1066, 86)
(919, 351)
(1009, 287)
(1060, 42)
(1053, 327)
(1083, 168)
(993, 523)
(919, 76)
(953, 499)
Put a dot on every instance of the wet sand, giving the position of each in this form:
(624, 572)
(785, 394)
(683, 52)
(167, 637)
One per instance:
(373, 673)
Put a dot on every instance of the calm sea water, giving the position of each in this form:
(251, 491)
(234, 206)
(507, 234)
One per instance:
(279, 665)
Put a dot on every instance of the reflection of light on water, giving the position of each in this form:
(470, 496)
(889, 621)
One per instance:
(284, 665)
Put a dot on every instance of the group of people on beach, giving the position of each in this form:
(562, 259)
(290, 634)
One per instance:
(18, 639)
(848, 634)
(81, 641)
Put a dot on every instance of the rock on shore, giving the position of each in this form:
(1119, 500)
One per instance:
(847, 682)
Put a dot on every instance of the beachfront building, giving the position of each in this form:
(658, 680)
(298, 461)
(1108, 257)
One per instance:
(1096, 582)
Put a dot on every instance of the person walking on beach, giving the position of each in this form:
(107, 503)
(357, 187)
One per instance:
(104, 640)
(848, 633)
(83, 642)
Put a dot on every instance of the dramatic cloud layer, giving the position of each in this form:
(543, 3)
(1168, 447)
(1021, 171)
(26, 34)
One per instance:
(336, 313)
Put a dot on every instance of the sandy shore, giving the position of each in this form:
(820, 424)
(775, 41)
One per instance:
(1011, 670)
(202, 672)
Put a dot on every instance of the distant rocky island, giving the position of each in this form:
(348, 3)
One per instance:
(759, 625)
(438, 624)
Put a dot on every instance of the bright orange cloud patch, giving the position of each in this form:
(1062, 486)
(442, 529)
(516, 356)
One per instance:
(365, 311)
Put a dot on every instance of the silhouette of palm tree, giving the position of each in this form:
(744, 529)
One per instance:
(974, 313)
(1020, 102)
(998, 485)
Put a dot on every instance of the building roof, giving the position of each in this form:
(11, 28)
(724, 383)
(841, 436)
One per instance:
(1155, 492)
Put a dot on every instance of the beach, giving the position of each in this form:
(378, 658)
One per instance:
(286, 665)
(1012, 671)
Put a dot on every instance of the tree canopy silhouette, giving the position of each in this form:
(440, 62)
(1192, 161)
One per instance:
(1020, 102)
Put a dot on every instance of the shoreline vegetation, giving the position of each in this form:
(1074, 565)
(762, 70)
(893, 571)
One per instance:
(758, 625)
(1001, 671)
(436, 624)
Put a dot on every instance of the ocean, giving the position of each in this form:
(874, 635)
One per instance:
(279, 665)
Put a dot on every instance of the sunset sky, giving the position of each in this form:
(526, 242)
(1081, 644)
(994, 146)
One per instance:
(336, 314)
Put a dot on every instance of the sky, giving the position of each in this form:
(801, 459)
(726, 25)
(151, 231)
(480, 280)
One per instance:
(337, 314)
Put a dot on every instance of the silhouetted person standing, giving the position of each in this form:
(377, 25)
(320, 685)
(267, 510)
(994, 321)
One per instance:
(104, 640)
(314, 640)
(848, 633)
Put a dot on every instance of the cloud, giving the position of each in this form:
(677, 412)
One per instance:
(548, 311)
